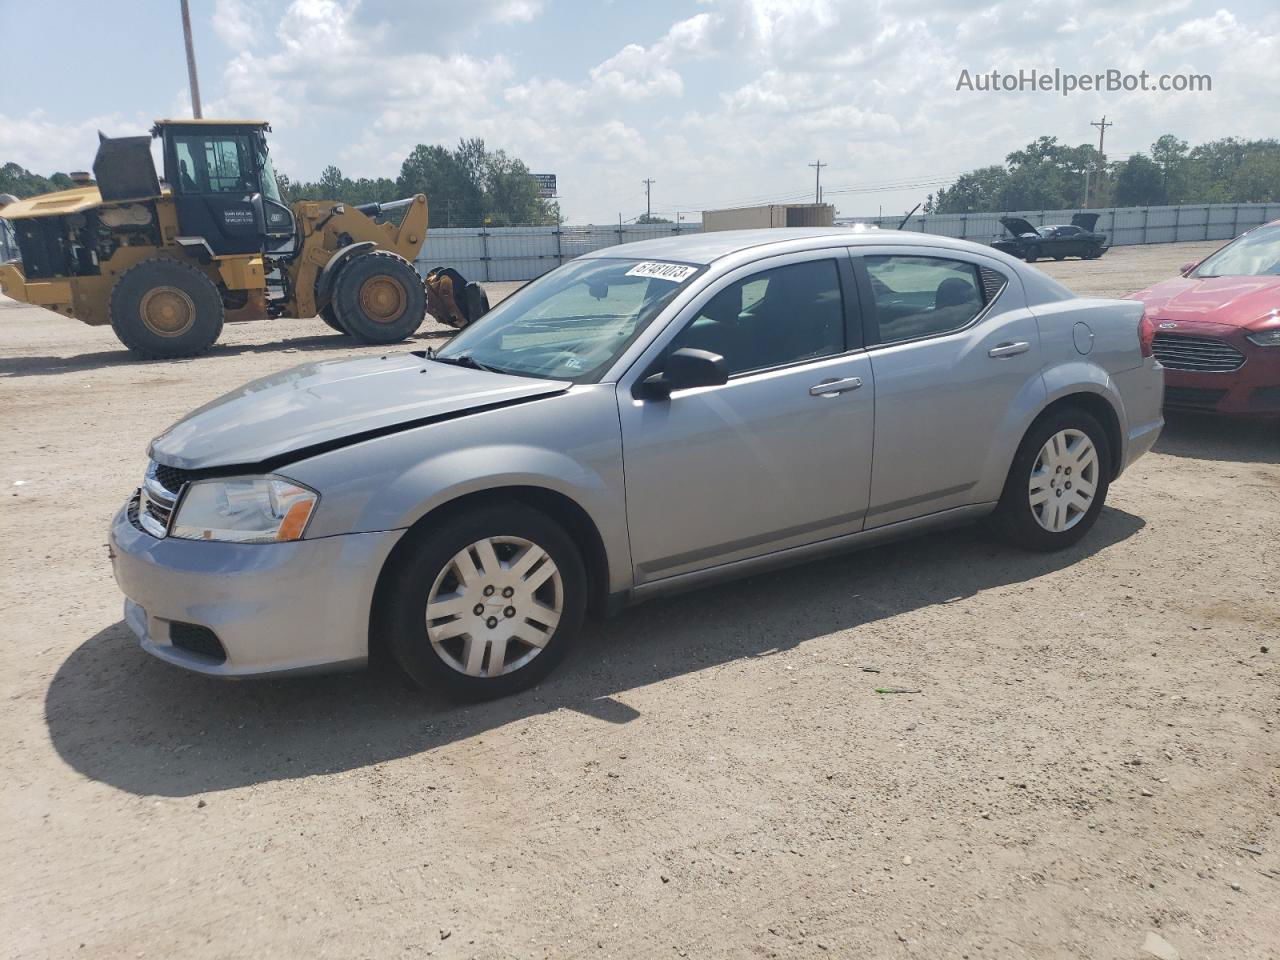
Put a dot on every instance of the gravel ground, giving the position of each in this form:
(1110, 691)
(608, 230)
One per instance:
(1093, 757)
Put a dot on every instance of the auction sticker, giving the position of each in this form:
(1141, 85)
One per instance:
(675, 272)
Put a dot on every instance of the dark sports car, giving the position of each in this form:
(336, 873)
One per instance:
(1058, 240)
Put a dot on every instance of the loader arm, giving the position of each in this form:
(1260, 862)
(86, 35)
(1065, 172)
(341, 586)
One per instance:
(325, 228)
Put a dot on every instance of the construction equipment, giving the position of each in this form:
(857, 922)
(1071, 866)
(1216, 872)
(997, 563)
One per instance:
(167, 263)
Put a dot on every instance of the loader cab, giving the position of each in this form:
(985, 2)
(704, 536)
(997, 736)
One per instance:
(224, 187)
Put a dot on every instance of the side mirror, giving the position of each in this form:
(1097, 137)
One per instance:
(684, 369)
(1188, 267)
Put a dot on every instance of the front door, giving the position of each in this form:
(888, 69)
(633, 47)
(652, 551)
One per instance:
(780, 455)
(956, 363)
(216, 183)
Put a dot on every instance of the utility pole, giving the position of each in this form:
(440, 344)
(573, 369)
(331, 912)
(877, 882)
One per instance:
(191, 62)
(817, 180)
(648, 207)
(1102, 135)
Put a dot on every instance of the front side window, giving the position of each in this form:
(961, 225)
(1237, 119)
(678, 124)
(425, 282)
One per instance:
(1257, 253)
(572, 323)
(922, 296)
(769, 319)
(222, 164)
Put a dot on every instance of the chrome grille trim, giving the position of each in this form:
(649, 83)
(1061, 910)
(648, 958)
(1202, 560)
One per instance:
(156, 503)
(1196, 354)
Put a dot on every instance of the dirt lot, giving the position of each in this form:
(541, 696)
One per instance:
(1093, 757)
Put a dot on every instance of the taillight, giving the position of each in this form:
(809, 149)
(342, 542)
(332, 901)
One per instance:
(1146, 334)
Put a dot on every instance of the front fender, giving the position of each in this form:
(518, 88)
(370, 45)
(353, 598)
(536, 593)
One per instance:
(329, 272)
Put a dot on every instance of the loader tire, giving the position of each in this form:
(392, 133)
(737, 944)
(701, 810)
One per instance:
(379, 298)
(329, 317)
(161, 309)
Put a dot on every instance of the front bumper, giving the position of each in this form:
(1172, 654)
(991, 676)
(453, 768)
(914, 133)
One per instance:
(1251, 390)
(273, 608)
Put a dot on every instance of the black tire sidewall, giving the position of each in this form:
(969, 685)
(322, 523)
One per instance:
(346, 298)
(1013, 518)
(126, 301)
(330, 318)
(419, 561)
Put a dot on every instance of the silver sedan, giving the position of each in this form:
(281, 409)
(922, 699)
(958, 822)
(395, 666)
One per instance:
(643, 419)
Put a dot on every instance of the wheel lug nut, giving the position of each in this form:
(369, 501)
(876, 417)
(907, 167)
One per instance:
(478, 609)
(509, 612)
(491, 622)
(1068, 484)
(488, 591)
(508, 591)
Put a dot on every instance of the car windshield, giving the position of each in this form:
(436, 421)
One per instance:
(1255, 254)
(572, 323)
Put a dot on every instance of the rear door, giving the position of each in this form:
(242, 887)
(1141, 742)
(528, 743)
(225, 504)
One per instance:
(214, 177)
(779, 456)
(955, 362)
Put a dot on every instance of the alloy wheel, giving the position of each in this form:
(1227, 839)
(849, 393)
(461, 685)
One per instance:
(1064, 480)
(495, 606)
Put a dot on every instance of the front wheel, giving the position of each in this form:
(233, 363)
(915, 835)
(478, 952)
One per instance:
(1032, 254)
(485, 604)
(1057, 484)
(379, 298)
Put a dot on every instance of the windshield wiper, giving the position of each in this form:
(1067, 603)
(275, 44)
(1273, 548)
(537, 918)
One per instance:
(466, 360)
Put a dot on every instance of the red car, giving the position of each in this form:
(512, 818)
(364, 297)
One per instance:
(1217, 328)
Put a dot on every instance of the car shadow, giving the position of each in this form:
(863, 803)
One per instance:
(118, 716)
(13, 367)
(1201, 436)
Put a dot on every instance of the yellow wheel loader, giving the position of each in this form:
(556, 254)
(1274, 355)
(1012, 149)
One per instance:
(167, 264)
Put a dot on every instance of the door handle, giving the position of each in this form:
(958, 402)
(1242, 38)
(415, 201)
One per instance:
(1009, 349)
(833, 388)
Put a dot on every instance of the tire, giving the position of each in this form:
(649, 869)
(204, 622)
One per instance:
(1059, 256)
(1035, 475)
(1032, 254)
(161, 309)
(379, 298)
(453, 653)
(329, 317)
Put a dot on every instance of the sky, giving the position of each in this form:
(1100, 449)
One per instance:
(720, 102)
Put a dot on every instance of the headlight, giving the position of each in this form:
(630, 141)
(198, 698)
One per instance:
(1267, 338)
(244, 510)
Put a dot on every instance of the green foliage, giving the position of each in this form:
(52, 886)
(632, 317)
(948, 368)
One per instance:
(1047, 175)
(651, 218)
(23, 183)
(466, 186)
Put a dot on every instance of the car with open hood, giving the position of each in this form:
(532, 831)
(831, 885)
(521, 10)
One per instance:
(641, 420)
(1217, 328)
(1056, 240)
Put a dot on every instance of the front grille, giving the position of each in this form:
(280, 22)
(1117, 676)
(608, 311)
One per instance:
(159, 495)
(197, 639)
(1192, 398)
(1196, 354)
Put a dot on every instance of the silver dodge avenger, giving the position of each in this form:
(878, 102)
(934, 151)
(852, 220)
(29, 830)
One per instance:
(643, 419)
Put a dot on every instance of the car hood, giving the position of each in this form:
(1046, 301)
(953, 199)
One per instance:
(1233, 301)
(1018, 226)
(332, 403)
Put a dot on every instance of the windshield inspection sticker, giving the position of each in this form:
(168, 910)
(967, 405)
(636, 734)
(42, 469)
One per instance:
(675, 272)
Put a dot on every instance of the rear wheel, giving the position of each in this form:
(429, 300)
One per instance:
(1057, 484)
(328, 315)
(485, 604)
(379, 298)
(164, 308)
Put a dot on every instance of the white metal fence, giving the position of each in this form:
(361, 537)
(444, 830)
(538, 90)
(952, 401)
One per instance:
(522, 253)
(1124, 225)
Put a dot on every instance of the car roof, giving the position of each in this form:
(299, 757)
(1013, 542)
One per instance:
(706, 248)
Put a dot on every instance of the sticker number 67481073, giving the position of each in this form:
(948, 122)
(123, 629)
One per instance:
(675, 272)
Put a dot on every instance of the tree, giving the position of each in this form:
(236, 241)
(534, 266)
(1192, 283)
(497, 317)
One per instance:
(1170, 154)
(1139, 181)
(21, 182)
(651, 218)
(977, 190)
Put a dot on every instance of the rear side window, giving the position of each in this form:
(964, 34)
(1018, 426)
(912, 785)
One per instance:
(924, 296)
(772, 318)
